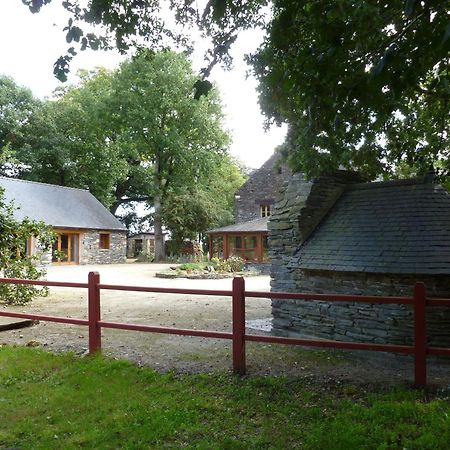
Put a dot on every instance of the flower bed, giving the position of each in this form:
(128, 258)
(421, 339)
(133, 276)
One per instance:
(213, 269)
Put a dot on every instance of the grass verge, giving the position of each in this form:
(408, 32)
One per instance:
(52, 401)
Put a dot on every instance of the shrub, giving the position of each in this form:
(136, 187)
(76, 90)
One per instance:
(14, 261)
(145, 257)
(236, 264)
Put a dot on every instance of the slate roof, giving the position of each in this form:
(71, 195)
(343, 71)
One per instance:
(61, 207)
(391, 227)
(255, 225)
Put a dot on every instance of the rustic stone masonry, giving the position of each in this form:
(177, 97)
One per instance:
(361, 322)
(90, 252)
(300, 206)
(260, 189)
(284, 231)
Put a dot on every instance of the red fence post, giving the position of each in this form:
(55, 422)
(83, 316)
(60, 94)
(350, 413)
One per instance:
(95, 339)
(238, 317)
(420, 335)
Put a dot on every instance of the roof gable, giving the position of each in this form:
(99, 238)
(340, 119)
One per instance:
(58, 206)
(394, 227)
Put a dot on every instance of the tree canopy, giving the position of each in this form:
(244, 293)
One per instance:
(364, 84)
(136, 134)
(16, 107)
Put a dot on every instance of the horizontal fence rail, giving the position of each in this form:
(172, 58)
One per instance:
(238, 336)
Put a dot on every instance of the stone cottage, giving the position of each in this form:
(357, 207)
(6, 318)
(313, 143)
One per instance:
(87, 233)
(254, 201)
(340, 235)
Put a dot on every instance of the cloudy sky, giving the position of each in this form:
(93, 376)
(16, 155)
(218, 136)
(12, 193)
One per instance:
(30, 44)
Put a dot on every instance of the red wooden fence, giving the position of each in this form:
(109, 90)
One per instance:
(239, 294)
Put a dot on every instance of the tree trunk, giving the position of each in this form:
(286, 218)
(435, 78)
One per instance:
(157, 226)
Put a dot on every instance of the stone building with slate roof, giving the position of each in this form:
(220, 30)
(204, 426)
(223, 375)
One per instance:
(87, 233)
(254, 201)
(338, 235)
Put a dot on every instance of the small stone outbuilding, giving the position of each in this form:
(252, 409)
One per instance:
(87, 233)
(340, 235)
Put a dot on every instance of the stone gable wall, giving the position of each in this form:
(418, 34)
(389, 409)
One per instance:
(260, 189)
(90, 252)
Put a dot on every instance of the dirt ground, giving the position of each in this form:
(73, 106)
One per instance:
(192, 354)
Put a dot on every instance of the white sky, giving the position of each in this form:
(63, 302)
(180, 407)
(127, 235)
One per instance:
(31, 43)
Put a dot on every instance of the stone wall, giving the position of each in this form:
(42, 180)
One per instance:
(260, 189)
(284, 232)
(90, 252)
(297, 211)
(361, 322)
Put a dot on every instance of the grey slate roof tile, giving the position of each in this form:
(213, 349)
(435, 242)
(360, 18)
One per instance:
(393, 227)
(59, 206)
(255, 225)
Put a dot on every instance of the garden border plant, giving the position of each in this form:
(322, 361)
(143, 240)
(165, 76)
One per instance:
(214, 268)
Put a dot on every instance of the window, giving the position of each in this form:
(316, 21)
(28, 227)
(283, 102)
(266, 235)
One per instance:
(65, 248)
(104, 241)
(265, 210)
(243, 246)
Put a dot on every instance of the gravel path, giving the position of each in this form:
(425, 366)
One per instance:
(191, 354)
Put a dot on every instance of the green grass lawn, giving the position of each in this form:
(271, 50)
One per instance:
(61, 402)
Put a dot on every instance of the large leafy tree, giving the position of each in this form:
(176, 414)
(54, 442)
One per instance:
(176, 137)
(16, 107)
(207, 204)
(68, 139)
(363, 83)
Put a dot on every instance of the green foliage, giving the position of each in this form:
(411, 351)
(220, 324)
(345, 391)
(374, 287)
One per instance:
(361, 84)
(16, 107)
(70, 141)
(14, 261)
(148, 257)
(140, 408)
(208, 203)
(236, 263)
(232, 264)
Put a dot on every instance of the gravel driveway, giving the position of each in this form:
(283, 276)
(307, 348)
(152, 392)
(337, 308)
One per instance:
(185, 353)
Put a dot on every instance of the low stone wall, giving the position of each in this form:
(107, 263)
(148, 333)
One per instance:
(90, 252)
(360, 322)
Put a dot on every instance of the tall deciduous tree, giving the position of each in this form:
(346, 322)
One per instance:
(16, 107)
(175, 136)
